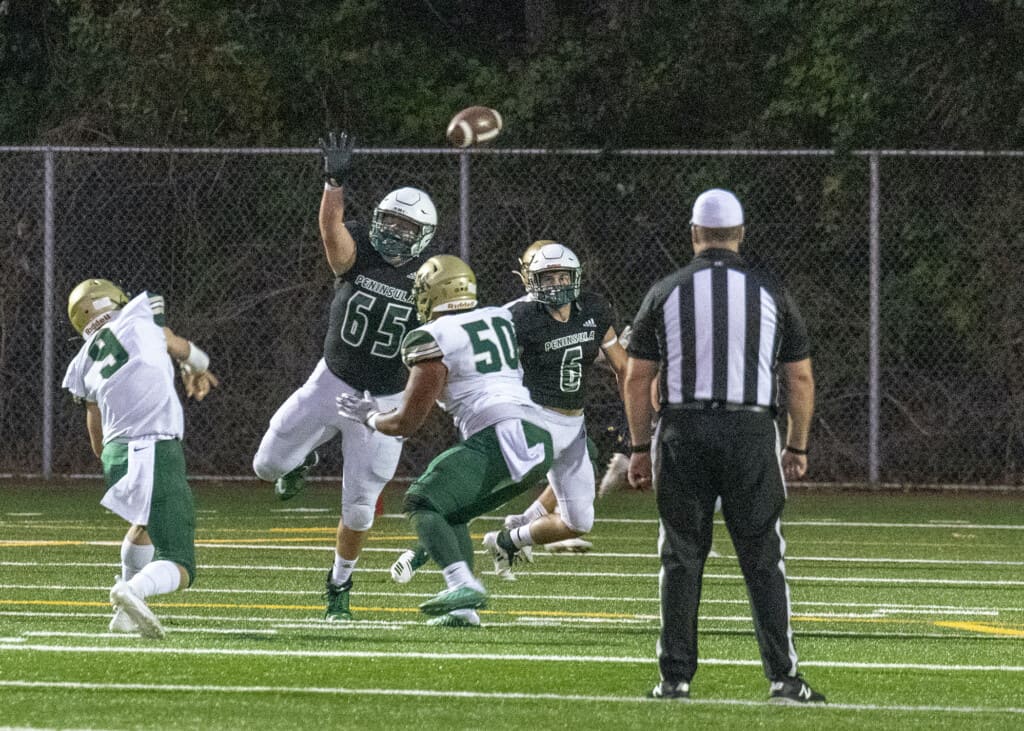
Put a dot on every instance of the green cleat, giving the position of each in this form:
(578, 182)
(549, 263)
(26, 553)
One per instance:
(449, 600)
(337, 601)
(291, 484)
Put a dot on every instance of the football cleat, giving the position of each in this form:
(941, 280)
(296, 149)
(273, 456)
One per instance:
(402, 570)
(499, 545)
(670, 691)
(449, 600)
(569, 545)
(337, 600)
(458, 618)
(291, 484)
(123, 598)
(122, 624)
(793, 691)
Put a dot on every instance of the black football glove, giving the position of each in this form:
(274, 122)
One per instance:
(337, 155)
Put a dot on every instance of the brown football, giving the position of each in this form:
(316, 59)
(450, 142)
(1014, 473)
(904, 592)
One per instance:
(473, 125)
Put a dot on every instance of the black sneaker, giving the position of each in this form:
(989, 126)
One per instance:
(670, 691)
(794, 690)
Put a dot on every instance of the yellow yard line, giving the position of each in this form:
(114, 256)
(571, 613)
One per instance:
(984, 628)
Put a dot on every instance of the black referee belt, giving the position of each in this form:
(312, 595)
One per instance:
(721, 406)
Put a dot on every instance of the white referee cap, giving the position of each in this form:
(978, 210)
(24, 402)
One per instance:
(717, 208)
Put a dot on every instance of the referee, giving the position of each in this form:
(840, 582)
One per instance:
(716, 331)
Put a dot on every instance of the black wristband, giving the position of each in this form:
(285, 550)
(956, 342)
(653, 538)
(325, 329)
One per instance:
(640, 448)
(794, 450)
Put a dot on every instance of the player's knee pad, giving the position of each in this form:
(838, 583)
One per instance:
(578, 515)
(267, 468)
(358, 515)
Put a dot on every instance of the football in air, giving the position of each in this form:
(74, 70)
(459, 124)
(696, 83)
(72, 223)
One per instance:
(474, 125)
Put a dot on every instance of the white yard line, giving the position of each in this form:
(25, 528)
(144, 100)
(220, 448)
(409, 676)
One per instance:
(796, 578)
(485, 656)
(465, 694)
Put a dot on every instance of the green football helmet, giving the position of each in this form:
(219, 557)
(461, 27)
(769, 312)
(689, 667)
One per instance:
(443, 284)
(527, 257)
(90, 300)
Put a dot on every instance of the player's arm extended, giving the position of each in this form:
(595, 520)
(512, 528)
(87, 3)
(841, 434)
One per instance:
(426, 382)
(339, 246)
(94, 425)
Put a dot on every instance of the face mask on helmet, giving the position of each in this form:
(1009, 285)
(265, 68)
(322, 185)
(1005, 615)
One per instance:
(549, 260)
(403, 224)
(91, 304)
(443, 284)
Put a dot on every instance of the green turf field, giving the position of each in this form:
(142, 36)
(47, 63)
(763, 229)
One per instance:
(908, 613)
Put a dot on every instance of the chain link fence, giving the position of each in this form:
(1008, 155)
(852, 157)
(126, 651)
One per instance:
(929, 391)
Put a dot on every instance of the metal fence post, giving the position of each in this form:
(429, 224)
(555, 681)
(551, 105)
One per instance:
(874, 237)
(48, 285)
(464, 206)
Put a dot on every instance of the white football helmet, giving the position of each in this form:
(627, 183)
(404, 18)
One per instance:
(390, 231)
(550, 258)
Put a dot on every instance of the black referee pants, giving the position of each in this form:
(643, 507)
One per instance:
(699, 456)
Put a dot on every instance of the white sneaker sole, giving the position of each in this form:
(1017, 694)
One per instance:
(569, 545)
(123, 598)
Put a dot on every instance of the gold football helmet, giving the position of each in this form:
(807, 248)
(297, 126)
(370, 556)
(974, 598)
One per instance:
(91, 299)
(527, 257)
(443, 284)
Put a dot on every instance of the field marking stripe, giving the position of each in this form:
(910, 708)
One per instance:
(804, 606)
(274, 544)
(468, 694)
(306, 622)
(888, 580)
(549, 613)
(377, 654)
(988, 629)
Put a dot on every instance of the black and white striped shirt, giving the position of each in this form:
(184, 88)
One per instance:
(719, 328)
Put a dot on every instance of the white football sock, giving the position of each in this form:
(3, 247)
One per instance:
(134, 557)
(158, 577)
(342, 570)
(521, 536)
(536, 510)
(458, 574)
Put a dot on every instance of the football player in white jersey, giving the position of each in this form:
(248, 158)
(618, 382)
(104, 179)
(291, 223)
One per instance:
(466, 359)
(370, 314)
(561, 330)
(135, 424)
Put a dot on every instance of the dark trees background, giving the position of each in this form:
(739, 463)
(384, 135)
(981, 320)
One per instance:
(615, 73)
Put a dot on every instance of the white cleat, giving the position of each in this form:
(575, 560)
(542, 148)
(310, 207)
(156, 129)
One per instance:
(569, 545)
(126, 600)
(502, 559)
(402, 570)
(122, 624)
